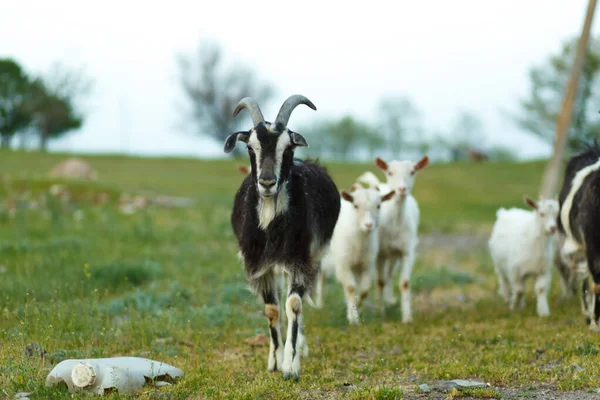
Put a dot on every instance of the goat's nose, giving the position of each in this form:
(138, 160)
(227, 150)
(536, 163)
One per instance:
(402, 189)
(552, 229)
(267, 182)
(369, 226)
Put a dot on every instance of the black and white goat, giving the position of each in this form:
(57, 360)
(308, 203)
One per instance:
(579, 221)
(283, 216)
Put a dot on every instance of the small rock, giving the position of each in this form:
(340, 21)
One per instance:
(348, 386)
(259, 340)
(160, 384)
(577, 368)
(424, 388)
(444, 386)
(163, 340)
(22, 395)
(3, 269)
(412, 378)
(469, 384)
(396, 350)
(34, 350)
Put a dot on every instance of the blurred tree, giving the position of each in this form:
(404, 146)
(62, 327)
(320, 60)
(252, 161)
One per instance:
(468, 132)
(400, 122)
(212, 91)
(343, 139)
(539, 111)
(51, 102)
(13, 88)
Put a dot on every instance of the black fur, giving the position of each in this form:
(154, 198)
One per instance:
(314, 205)
(584, 216)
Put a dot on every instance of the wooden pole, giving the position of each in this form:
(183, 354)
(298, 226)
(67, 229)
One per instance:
(550, 180)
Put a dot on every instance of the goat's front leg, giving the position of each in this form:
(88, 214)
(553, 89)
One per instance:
(319, 290)
(295, 340)
(408, 261)
(268, 287)
(542, 285)
(386, 289)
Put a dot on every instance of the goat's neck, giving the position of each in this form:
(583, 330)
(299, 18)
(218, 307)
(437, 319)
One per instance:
(399, 205)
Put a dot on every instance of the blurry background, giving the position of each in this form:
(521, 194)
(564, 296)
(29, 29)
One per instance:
(105, 254)
(162, 79)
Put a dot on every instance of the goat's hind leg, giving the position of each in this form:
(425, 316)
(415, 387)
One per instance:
(267, 286)
(593, 256)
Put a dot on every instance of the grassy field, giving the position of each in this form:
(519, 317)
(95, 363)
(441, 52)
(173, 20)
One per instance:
(84, 280)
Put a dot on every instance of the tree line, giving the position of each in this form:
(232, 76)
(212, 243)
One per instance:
(44, 107)
(212, 87)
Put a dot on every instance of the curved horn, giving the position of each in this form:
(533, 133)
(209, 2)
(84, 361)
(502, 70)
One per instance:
(288, 106)
(251, 105)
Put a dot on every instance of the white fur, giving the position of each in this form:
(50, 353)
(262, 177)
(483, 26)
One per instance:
(354, 246)
(398, 233)
(575, 186)
(291, 363)
(521, 246)
(268, 207)
(283, 142)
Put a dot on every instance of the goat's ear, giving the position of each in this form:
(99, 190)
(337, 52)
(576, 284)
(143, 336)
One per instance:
(530, 202)
(388, 196)
(233, 138)
(422, 163)
(298, 139)
(243, 169)
(347, 196)
(381, 164)
(355, 187)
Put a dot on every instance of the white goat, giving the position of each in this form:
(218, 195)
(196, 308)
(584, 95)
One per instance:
(398, 233)
(355, 244)
(521, 246)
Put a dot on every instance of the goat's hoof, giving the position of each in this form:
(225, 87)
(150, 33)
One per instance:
(291, 375)
(594, 327)
(407, 320)
(588, 320)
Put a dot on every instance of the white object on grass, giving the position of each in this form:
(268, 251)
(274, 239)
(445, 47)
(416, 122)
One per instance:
(97, 375)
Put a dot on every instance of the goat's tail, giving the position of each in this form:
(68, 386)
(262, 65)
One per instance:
(368, 178)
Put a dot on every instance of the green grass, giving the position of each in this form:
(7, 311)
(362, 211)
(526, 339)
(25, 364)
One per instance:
(166, 284)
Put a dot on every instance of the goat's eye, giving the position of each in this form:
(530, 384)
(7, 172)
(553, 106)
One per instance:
(355, 206)
(379, 206)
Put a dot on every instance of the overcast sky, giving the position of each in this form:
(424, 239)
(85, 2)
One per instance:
(446, 56)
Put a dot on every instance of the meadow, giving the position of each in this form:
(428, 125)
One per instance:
(84, 280)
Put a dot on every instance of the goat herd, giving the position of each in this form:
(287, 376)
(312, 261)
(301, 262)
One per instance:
(290, 220)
